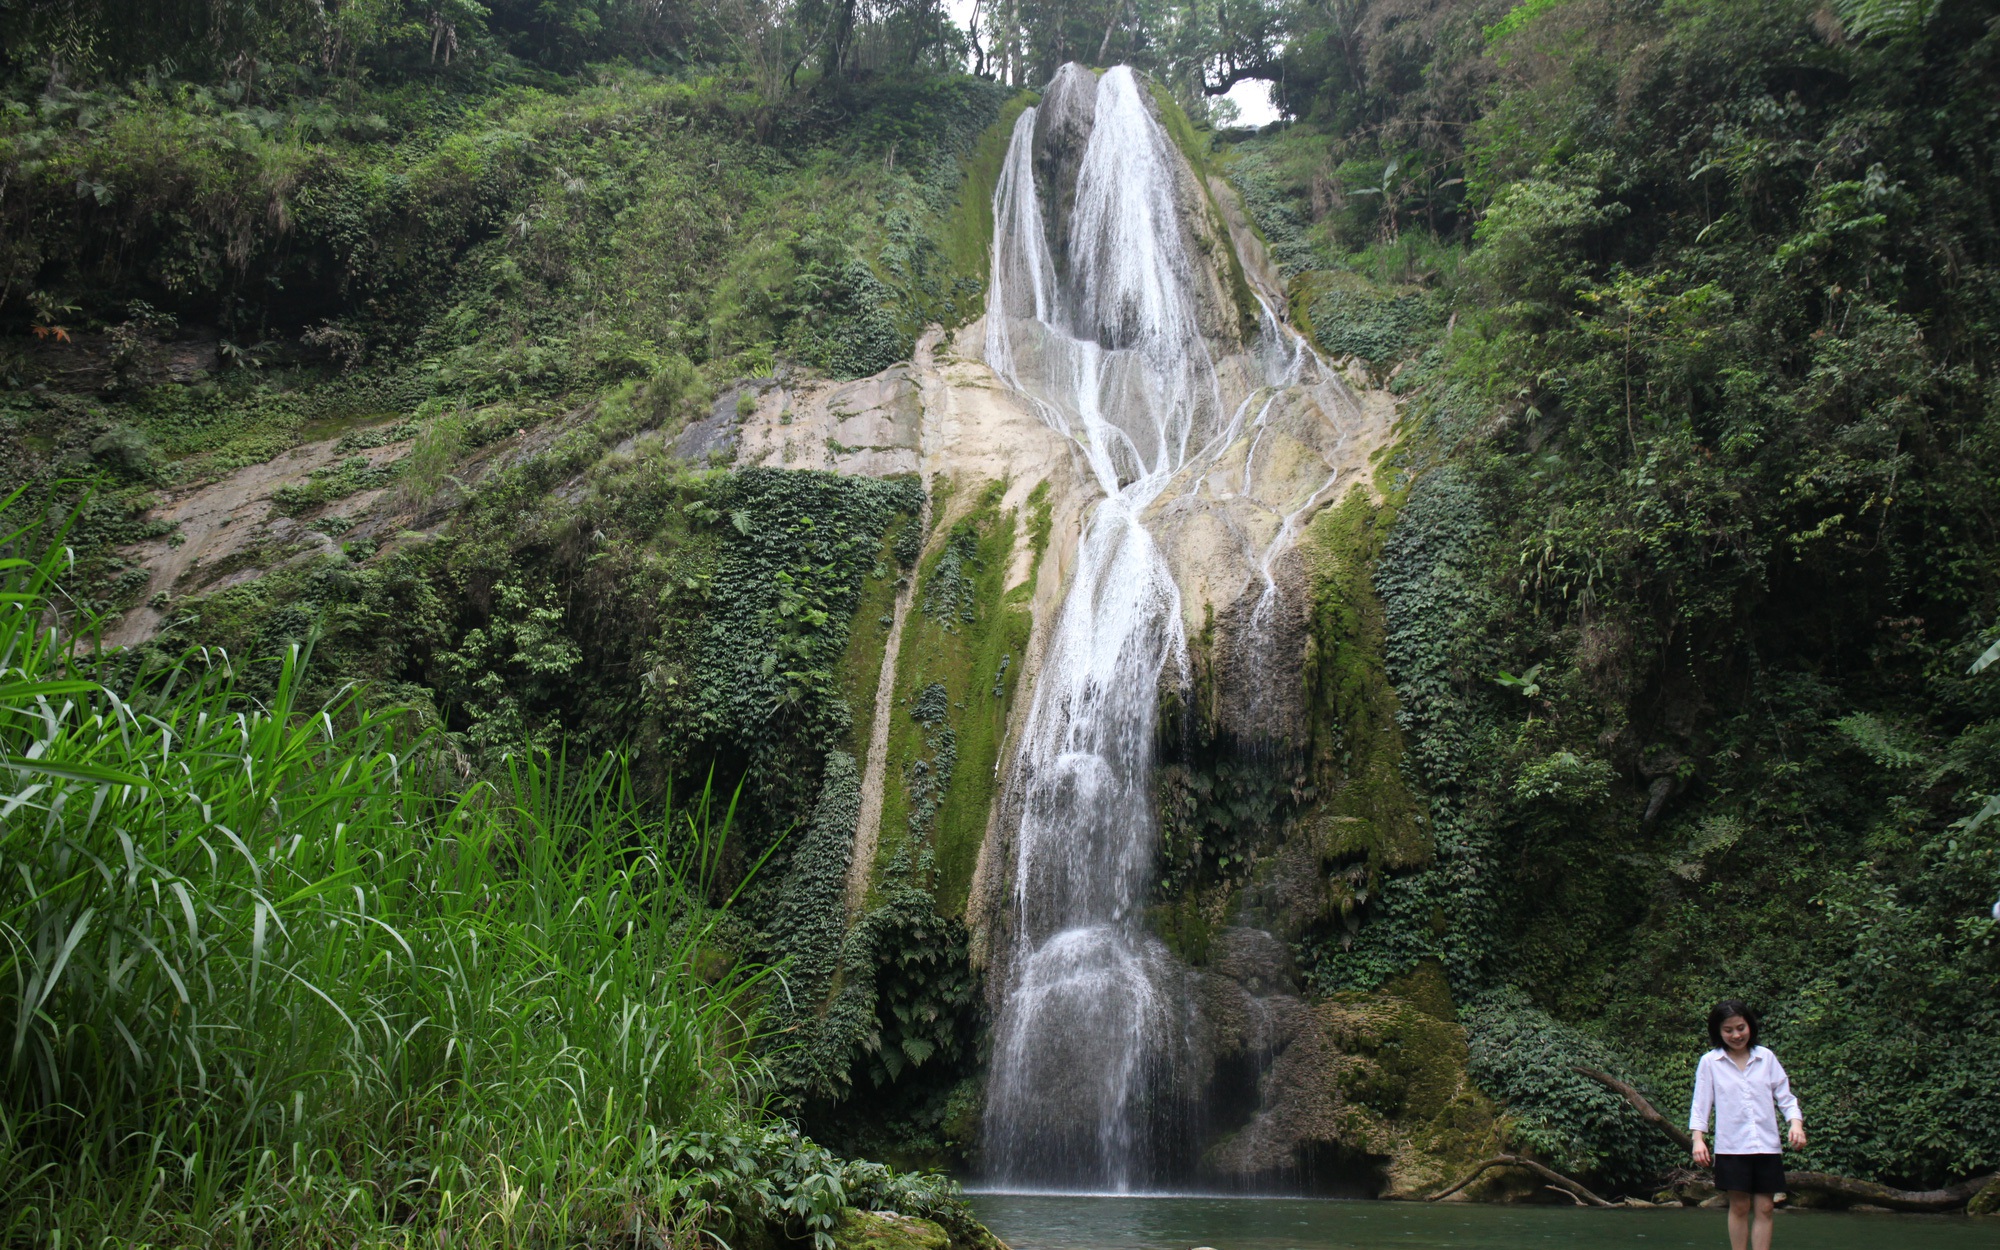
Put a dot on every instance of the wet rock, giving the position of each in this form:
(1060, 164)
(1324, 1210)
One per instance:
(1372, 1090)
(714, 434)
(1063, 122)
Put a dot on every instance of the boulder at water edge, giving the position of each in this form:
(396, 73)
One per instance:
(887, 1230)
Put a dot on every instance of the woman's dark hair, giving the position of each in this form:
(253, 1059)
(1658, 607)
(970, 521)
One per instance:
(1722, 1011)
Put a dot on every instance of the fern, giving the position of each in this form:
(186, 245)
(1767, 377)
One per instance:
(1877, 741)
(1887, 19)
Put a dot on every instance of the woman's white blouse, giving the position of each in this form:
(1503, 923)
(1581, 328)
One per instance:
(1742, 1101)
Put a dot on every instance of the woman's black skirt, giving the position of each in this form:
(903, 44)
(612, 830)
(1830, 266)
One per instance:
(1750, 1174)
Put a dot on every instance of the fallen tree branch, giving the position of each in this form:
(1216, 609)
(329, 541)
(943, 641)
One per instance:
(1810, 1182)
(1883, 1196)
(1556, 1179)
(1646, 1110)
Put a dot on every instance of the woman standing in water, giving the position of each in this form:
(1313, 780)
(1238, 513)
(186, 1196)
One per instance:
(1745, 1086)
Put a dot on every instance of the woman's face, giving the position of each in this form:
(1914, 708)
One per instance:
(1736, 1032)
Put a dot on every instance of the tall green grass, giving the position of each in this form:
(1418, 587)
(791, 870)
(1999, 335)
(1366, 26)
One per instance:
(273, 974)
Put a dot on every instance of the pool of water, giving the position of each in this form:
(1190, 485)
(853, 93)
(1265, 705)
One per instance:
(1071, 1222)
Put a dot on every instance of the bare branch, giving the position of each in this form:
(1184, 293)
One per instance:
(1556, 1179)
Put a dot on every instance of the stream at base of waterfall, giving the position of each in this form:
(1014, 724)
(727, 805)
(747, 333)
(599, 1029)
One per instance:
(1100, 315)
(1177, 1222)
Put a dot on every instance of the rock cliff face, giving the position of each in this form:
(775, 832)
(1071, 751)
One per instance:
(1274, 1087)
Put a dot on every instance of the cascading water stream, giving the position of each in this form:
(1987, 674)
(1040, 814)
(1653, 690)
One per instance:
(1105, 340)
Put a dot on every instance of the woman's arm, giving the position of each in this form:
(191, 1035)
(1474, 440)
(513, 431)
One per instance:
(1704, 1103)
(1788, 1103)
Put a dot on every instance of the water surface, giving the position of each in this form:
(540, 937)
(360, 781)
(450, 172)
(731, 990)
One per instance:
(1070, 1222)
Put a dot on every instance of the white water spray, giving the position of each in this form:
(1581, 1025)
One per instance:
(1106, 341)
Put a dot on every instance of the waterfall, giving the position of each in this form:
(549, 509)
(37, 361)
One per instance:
(1095, 319)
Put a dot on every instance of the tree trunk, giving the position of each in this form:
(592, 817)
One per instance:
(1117, 11)
(1949, 1198)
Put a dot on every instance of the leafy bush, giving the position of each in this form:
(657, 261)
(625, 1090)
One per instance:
(1527, 1060)
(746, 1179)
(335, 481)
(433, 453)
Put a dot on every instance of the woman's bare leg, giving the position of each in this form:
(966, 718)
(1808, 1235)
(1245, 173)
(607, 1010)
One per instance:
(1739, 1221)
(1760, 1223)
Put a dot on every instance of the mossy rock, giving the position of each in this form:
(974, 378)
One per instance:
(1379, 1077)
(1358, 745)
(887, 1230)
(1986, 1201)
(957, 672)
(1416, 1054)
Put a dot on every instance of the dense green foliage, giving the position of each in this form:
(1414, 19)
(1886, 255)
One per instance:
(1701, 540)
(270, 974)
(522, 238)
(238, 276)
(299, 44)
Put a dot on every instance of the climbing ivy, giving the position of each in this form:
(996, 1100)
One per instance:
(927, 777)
(810, 920)
(950, 598)
(1428, 577)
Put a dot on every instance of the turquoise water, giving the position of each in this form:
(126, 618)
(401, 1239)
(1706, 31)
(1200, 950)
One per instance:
(1091, 1223)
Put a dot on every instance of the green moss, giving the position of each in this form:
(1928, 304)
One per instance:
(1986, 1202)
(1427, 989)
(868, 637)
(1356, 749)
(1189, 921)
(956, 676)
(968, 239)
(887, 1230)
(1403, 1075)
